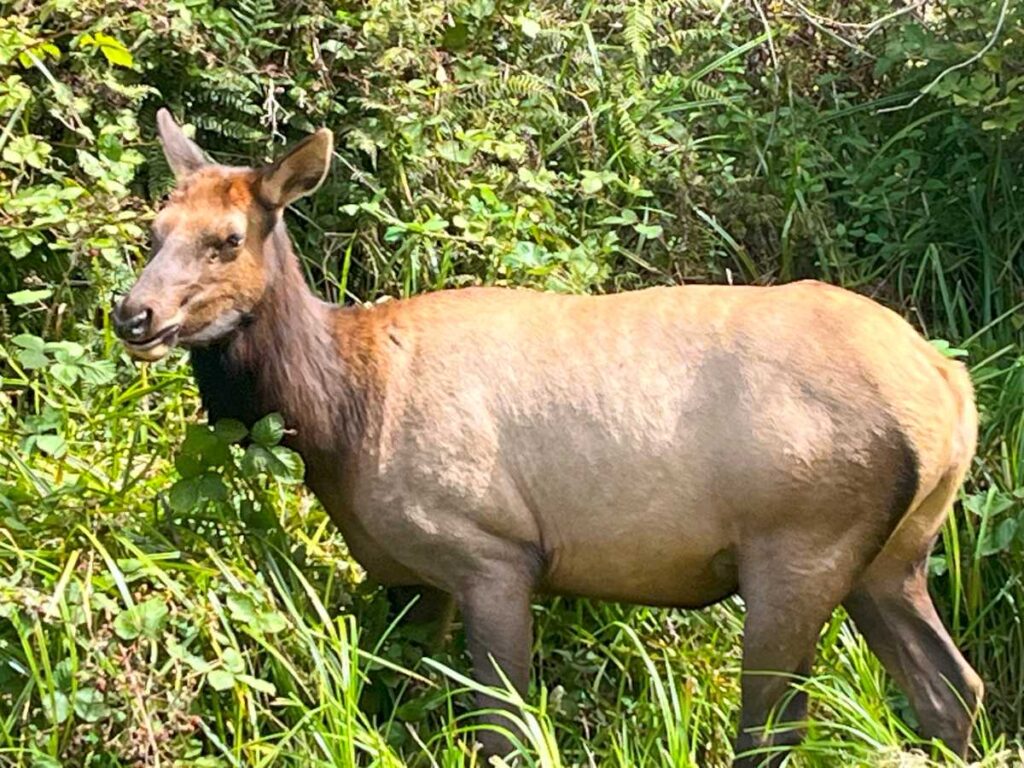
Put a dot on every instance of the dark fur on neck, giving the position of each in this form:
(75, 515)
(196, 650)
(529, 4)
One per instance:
(285, 359)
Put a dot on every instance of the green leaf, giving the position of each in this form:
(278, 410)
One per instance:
(188, 466)
(28, 341)
(937, 565)
(289, 467)
(212, 487)
(456, 152)
(529, 27)
(204, 448)
(947, 349)
(269, 430)
(650, 231)
(90, 706)
(278, 462)
(64, 373)
(256, 684)
(97, 372)
(178, 652)
(230, 430)
(56, 706)
(591, 183)
(243, 609)
(626, 216)
(456, 37)
(255, 461)
(112, 49)
(271, 622)
(998, 538)
(145, 619)
(33, 358)
(20, 298)
(233, 661)
(41, 760)
(52, 445)
(66, 351)
(184, 494)
(220, 679)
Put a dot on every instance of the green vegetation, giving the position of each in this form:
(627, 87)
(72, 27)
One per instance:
(167, 599)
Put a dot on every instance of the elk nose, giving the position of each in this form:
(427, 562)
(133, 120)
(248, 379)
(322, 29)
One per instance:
(132, 323)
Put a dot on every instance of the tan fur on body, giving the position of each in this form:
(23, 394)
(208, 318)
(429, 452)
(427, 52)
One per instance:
(800, 445)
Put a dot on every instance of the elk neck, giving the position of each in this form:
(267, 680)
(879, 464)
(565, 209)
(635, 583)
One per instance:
(289, 357)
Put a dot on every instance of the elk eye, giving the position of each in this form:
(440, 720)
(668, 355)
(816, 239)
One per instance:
(233, 241)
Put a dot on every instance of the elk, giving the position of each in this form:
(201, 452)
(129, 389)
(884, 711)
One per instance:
(799, 445)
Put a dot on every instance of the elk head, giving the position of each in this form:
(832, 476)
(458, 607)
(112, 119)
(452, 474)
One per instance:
(212, 260)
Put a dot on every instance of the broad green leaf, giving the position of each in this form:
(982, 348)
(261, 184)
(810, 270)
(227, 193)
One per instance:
(242, 607)
(278, 462)
(42, 760)
(233, 661)
(650, 231)
(56, 706)
(289, 467)
(112, 49)
(64, 373)
(220, 679)
(28, 341)
(998, 538)
(529, 27)
(90, 705)
(591, 183)
(33, 359)
(184, 494)
(271, 622)
(64, 674)
(53, 445)
(204, 447)
(145, 619)
(97, 372)
(269, 430)
(212, 487)
(256, 684)
(188, 466)
(68, 352)
(177, 651)
(20, 298)
(256, 461)
(230, 430)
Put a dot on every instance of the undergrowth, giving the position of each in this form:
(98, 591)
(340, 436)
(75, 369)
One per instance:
(169, 598)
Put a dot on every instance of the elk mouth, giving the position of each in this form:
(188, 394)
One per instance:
(156, 346)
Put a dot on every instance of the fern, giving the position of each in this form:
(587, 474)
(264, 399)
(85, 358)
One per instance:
(518, 86)
(702, 90)
(638, 33)
(255, 16)
(635, 144)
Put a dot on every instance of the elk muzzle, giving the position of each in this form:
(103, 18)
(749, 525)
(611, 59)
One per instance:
(134, 324)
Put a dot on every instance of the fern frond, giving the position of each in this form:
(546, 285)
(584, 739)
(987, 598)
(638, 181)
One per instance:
(635, 143)
(702, 90)
(639, 31)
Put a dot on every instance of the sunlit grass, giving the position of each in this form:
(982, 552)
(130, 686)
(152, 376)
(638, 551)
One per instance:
(615, 686)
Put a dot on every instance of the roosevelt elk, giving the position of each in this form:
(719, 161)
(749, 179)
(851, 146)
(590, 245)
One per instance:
(798, 445)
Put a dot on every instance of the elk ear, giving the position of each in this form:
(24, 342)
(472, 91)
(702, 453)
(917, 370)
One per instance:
(299, 172)
(183, 155)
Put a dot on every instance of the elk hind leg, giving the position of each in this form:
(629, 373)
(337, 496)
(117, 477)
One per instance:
(897, 617)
